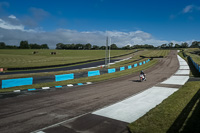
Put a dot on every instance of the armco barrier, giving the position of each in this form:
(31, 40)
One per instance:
(16, 82)
(29, 81)
(195, 64)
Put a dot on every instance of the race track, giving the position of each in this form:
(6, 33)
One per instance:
(33, 112)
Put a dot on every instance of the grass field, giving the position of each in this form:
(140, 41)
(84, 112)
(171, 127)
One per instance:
(25, 58)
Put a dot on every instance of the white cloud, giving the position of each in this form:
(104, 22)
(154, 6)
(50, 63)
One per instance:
(6, 25)
(12, 17)
(191, 8)
(188, 8)
(13, 34)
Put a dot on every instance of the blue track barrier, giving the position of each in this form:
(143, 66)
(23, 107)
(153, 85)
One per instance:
(93, 73)
(80, 83)
(144, 62)
(129, 67)
(122, 68)
(140, 63)
(59, 86)
(16, 82)
(135, 65)
(64, 77)
(111, 70)
(33, 89)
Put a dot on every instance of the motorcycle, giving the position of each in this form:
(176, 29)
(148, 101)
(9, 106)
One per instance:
(142, 77)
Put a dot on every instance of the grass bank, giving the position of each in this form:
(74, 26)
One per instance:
(178, 113)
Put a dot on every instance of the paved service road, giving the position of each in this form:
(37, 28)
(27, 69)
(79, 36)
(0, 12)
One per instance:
(33, 112)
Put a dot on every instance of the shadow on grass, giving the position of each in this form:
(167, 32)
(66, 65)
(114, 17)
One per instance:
(192, 125)
(194, 71)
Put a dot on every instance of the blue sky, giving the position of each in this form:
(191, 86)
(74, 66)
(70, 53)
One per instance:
(127, 22)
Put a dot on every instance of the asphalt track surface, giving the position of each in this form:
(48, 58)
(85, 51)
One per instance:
(92, 64)
(33, 112)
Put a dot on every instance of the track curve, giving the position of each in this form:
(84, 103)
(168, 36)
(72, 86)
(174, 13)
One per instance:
(29, 113)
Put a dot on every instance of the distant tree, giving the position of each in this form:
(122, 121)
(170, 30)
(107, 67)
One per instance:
(103, 47)
(126, 47)
(24, 45)
(34, 46)
(195, 44)
(163, 45)
(177, 45)
(44, 46)
(113, 46)
(184, 45)
(95, 47)
(60, 46)
(170, 45)
(2, 45)
(88, 46)
(79, 46)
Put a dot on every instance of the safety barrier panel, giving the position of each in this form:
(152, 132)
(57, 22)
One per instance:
(64, 77)
(111, 70)
(93, 73)
(122, 68)
(135, 65)
(16, 82)
(29, 81)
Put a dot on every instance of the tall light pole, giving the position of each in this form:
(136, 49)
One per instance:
(106, 54)
(109, 51)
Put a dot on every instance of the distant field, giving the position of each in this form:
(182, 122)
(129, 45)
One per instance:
(25, 58)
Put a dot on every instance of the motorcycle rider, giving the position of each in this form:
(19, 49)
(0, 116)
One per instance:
(142, 73)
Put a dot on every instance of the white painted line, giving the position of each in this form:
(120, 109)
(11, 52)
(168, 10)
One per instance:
(89, 83)
(40, 132)
(184, 67)
(183, 63)
(176, 80)
(69, 85)
(17, 91)
(45, 88)
(183, 72)
(131, 109)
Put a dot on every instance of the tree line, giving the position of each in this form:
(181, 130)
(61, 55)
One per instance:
(24, 45)
(88, 46)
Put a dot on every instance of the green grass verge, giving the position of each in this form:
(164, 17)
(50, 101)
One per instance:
(173, 114)
(195, 57)
(25, 58)
(88, 79)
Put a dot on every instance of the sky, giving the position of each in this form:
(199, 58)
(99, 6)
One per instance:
(126, 22)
